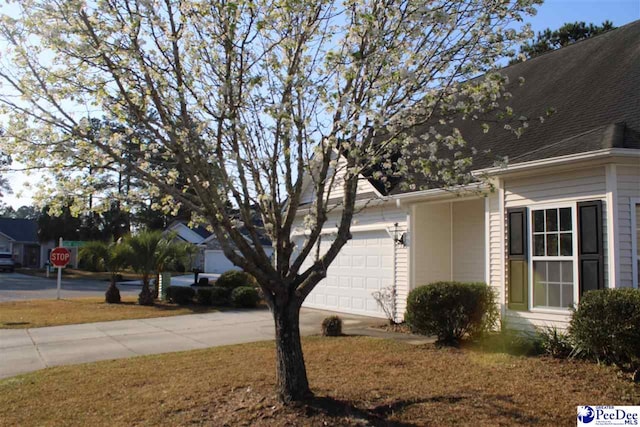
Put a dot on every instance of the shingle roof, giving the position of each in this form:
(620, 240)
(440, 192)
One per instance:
(201, 231)
(594, 87)
(21, 230)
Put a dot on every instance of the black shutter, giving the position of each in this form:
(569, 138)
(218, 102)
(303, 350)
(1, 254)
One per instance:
(517, 259)
(590, 250)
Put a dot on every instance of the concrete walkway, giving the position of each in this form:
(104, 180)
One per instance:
(26, 350)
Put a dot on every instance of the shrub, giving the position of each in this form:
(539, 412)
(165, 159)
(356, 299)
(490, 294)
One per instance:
(181, 295)
(112, 295)
(203, 281)
(220, 295)
(234, 279)
(606, 325)
(204, 296)
(332, 326)
(213, 295)
(451, 310)
(554, 343)
(245, 297)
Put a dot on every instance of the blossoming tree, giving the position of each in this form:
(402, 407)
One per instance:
(247, 102)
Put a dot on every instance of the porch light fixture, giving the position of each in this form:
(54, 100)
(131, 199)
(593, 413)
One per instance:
(401, 239)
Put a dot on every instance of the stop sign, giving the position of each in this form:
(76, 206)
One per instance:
(60, 257)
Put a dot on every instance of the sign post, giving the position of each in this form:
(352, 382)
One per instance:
(60, 258)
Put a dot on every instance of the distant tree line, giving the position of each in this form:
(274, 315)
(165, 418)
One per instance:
(567, 34)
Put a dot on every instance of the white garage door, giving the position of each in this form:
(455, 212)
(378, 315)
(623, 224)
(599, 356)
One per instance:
(364, 265)
(216, 262)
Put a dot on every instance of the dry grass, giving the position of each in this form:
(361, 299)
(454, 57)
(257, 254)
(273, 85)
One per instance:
(357, 381)
(37, 313)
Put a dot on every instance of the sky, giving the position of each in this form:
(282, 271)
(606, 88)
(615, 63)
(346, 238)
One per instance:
(552, 14)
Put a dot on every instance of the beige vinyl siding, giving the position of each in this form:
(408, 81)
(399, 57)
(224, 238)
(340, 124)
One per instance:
(552, 188)
(529, 321)
(431, 241)
(401, 274)
(468, 260)
(628, 180)
(547, 188)
(449, 241)
(496, 246)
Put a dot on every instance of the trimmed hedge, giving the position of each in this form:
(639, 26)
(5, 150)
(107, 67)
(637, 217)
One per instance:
(181, 295)
(606, 325)
(245, 297)
(452, 310)
(234, 279)
(213, 295)
(203, 296)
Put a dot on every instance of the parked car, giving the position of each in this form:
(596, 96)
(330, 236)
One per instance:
(6, 262)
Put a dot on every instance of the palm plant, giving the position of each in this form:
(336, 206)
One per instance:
(168, 253)
(144, 246)
(153, 252)
(112, 257)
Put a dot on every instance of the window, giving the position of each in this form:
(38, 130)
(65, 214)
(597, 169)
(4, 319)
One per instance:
(552, 258)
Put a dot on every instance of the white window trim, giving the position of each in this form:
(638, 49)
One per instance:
(635, 251)
(574, 258)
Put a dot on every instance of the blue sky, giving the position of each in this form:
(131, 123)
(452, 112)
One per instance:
(552, 14)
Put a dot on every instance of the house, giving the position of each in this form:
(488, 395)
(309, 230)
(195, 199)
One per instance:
(210, 258)
(20, 238)
(560, 219)
(195, 236)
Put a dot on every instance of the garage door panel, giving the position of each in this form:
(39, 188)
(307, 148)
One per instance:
(373, 261)
(364, 265)
(373, 283)
(357, 282)
(358, 261)
(372, 306)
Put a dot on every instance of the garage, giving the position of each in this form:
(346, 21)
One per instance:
(364, 265)
(216, 262)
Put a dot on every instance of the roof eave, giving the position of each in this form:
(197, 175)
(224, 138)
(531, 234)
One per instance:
(535, 165)
(459, 192)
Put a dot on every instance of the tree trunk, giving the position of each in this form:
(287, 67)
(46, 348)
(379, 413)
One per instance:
(145, 297)
(292, 383)
(112, 296)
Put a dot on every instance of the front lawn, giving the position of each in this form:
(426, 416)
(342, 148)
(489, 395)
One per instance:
(37, 313)
(357, 381)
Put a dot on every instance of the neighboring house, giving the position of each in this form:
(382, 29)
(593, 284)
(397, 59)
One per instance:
(195, 236)
(209, 258)
(20, 238)
(564, 215)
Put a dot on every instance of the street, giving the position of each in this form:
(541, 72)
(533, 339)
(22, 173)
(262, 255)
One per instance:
(16, 287)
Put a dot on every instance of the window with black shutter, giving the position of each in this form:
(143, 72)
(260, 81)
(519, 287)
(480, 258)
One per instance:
(590, 246)
(518, 289)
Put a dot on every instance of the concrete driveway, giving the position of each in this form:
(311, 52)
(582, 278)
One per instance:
(16, 286)
(25, 350)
